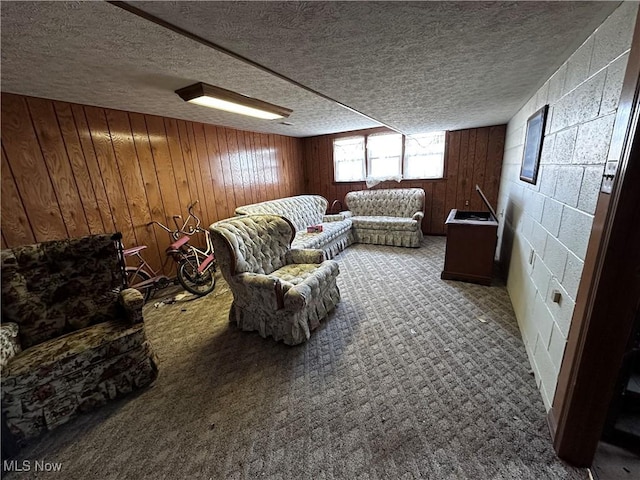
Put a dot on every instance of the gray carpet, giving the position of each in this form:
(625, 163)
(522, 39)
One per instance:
(410, 377)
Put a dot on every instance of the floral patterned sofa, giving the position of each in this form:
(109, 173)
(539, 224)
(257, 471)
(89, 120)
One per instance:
(387, 216)
(278, 291)
(71, 339)
(304, 211)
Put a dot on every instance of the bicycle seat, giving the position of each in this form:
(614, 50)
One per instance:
(178, 243)
(133, 250)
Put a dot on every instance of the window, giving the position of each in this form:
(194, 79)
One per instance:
(388, 156)
(348, 159)
(384, 157)
(424, 155)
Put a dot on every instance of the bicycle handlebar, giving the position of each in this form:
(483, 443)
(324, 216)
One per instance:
(191, 214)
(182, 230)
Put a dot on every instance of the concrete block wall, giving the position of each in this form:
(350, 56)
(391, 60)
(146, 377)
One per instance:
(545, 228)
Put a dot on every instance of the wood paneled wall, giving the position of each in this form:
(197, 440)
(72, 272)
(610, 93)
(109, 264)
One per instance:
(70, 170)
(472, 156)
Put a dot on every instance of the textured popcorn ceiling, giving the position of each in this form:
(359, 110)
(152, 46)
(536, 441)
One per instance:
(416, 66)
(97, 54)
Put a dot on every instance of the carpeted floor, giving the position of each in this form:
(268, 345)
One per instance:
(410, 377)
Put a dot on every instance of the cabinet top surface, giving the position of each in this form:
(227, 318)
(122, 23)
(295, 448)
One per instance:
(489, 222)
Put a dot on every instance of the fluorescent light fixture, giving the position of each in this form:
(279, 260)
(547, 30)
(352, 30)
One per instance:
(216, 97)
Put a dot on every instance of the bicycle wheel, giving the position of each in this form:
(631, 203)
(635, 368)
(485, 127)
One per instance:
(195, 282)
(134, 277)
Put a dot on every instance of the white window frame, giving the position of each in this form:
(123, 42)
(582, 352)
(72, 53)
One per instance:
(366, 166)
(432, 147)
(374, 177)
(337, 170)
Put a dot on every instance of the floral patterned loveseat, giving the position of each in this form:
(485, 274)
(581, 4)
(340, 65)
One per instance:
(387, 216)
(304, 211)
(278, 291)
(71, 339)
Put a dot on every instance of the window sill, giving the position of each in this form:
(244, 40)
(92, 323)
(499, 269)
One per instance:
(356, 182)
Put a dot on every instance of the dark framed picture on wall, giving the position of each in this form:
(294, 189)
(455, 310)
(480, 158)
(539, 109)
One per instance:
(533, 145)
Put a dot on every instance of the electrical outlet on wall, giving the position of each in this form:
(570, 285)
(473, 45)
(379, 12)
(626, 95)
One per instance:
(466, 203)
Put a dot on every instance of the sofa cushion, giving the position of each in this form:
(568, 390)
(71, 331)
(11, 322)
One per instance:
(295, 273)
(385, 223)
(72, 352)
(314, 279)
(330, 232)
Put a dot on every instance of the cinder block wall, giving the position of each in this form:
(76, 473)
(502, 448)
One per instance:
(553, 218)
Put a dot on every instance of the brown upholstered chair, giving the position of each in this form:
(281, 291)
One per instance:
(71, 339)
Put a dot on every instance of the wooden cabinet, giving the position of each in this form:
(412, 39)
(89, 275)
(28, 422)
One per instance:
(471, 245)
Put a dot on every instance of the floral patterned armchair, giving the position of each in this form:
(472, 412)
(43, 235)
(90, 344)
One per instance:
(279, 292)
(71, 339)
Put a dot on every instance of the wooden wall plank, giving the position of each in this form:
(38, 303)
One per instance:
(152, 189)
(213, 197)
(29, 169)
(257, 185)
(280, 147)
(133, 184)
(439, 211)
(16, 229)
(267, 168)
(323, 170)
(103, 147)
(178, 166)
(164, 168)
(494, 163)
(297, 158)
(55, 157)
(470, 193)
(220, 170)
(278, 190)
(463, 165)
(255, 159)
(428, 202)
(480, 166)
(247, 168)
(78, 164)
(452, 163)
(238, 180)
(194, 178)
(292, 171)
(93, 168)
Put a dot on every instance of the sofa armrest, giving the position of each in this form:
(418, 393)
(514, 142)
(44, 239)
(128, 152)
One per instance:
(259, 290)
(418, 216)
(333, 218)
(304, 255)
(298, 296)
(9, 342)
(132, 302)
(346, 214)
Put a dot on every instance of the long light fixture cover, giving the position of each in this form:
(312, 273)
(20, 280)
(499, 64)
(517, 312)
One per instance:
(216, 97)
